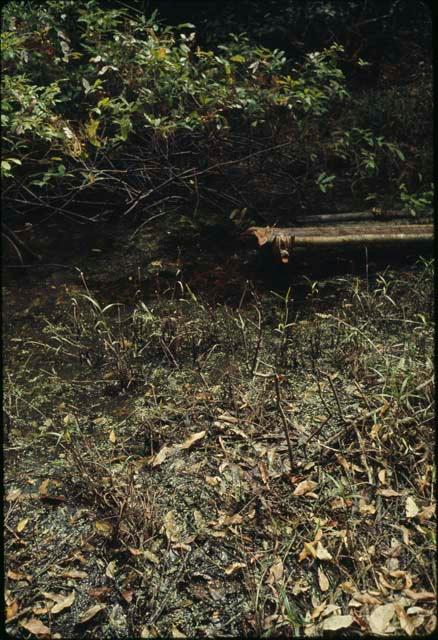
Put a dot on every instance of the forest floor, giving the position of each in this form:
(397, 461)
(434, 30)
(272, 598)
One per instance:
(221, 451)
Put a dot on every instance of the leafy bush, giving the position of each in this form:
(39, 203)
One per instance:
(113, 102)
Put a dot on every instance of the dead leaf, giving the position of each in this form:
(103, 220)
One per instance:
(388, 493)
(304, 487)
(112, 436)
(227, 418)
(111, 569)
(104, 527)
(176, 633)
(213, 481)
(22, 525)
(380, 618)
(427, 513)
(56, 597)
(151, 557)
(307, 550)
(135, 552)
(162, 455)
(12, 495)
(365, 598)
(189, 442)
(127, 595)
(91, 612)
(411, 507)
(337, 622)
(420, 595)
(366, 508)
(323, 580)
(36, 627)
(170, 528)
(18, 575)
(405, 621)
(64, 604)
(275, 572)
(227, 520)
(322, 553)
(318, 610)
(11, 609)
(75, 574)
(264, 473)
(234, 567)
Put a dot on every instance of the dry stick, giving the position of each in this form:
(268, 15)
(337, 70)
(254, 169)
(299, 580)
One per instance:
(335, 393)
(259, 341)
(283, 419)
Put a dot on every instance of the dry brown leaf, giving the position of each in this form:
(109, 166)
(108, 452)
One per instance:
(110, 570)
(234, 567)
(56, 597)
(318, 610)
(411, 507)
(304, 487)
(365, 598)
(264, 473)
(227, 520)
(161, 455)
(176, 633)
(224, 417)
(135, 552)
(22, 525)
(91, 612)
(213, 481)
(127, 595)
(427, 513)
(64, 604)
(170, 528)
(11, 609)
(36, 627)
(307, 550)
(419, 595)
(189, 442)
(112, 436)
(322, 553)
(12, 495)
(104, 527)
(324, 584)
(382, 476)
(380, 618)
(276, 571)
(388, 493)
(337, 622)
(75, 574)
(366, 508)
(149, 555)
(405, 621)
(18, 575)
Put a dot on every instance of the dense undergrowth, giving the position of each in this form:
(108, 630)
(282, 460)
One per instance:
(110, 111)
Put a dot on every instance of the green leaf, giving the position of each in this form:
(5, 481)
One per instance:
(237, 58)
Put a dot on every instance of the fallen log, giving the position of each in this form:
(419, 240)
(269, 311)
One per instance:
(374, 214)
(282, 240)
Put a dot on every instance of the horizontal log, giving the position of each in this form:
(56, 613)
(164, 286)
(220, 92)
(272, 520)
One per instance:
(372, 238)
(357, 215)
(265, 235)
(283, 240)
